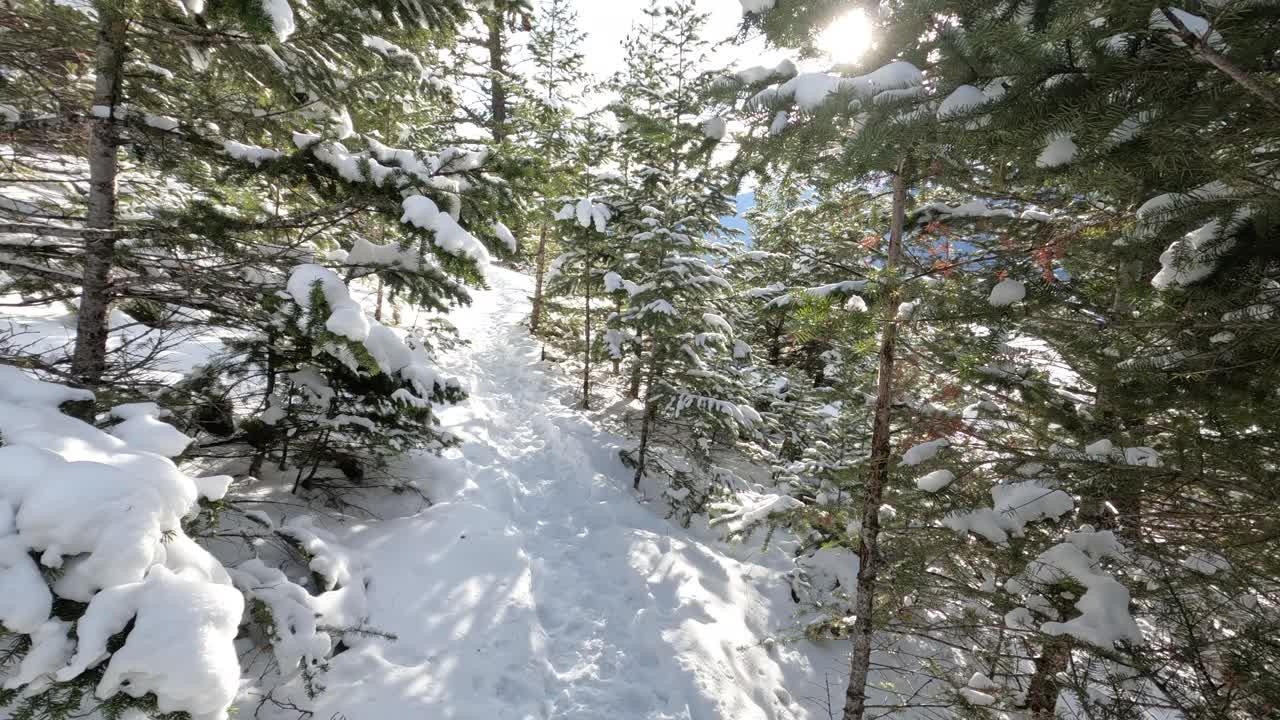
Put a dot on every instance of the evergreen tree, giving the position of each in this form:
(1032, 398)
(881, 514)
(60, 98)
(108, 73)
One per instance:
(218, 256)
(1055, 110)
(665, 219)
(578, 271)
(563, 143)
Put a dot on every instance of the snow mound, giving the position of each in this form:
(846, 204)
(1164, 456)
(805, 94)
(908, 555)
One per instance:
(107, 511)
(181, 646)
(143, 430)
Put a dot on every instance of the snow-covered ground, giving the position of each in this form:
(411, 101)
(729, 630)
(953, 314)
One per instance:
(539, 586)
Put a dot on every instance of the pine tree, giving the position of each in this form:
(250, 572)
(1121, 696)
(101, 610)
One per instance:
(579, 271)
(563, 143)
(687, 358)
(220, 255)
(1058, 107)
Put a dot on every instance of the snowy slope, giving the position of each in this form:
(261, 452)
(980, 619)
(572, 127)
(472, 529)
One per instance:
(539, 586)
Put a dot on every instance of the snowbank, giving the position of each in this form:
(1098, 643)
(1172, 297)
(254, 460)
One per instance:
(107, 512)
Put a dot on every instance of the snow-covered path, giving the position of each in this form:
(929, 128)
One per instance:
(538, 586)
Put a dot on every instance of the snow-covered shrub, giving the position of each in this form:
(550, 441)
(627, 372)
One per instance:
(109, 601)
(104, 593)
(344, 391)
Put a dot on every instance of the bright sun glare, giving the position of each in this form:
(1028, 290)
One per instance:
(847, 38)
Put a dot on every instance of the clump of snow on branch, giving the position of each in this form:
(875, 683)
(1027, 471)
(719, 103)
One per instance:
(935, 481)
(1014, 506)
(1194, 24)
(348, 319)
(811, 90)
(1104, 618)
(281, 15)
(422, 212)
(587, 213)
(753, 512)
(756, 6)
(504, 234)
(924, 451)
(715, 128)
(1188, 259)
(142, 429)
(1007, 292)
(1060, 149)
(253, 154)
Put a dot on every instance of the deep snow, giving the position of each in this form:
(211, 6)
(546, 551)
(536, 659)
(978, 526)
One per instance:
(539, 586)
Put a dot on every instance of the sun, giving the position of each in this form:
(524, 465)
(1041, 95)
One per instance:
(845, 39)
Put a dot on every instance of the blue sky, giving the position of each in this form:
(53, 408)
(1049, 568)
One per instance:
(746, 201)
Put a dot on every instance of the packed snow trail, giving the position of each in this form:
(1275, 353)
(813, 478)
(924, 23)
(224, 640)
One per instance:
(538, 586)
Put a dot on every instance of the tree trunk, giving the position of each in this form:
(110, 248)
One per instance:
(1123, 491)
(89, 359)
(1042, 694)
(497, 68)
(586, 351)
(261, 451)
(775, 343)
(868, 546)
(539, 274)
(616, 359)
(646, 422)
(377, 310)
(637, 371)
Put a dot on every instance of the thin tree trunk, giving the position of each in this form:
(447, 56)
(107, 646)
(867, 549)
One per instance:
(637, 370)
(775, 343)
(539, 275)
(1093, 504)
(868, 546)
(260, 453)
(646, 422)
(377, 311)
(1042, 694)
(616, 360)
(497, 68)
(586, 352)
(89, 359)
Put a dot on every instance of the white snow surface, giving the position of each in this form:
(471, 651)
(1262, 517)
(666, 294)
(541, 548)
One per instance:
(538, 585)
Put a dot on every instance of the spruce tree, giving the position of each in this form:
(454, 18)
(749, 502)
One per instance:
(1054, 110)
(563, 142)
(231, 118)
(666, 219)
